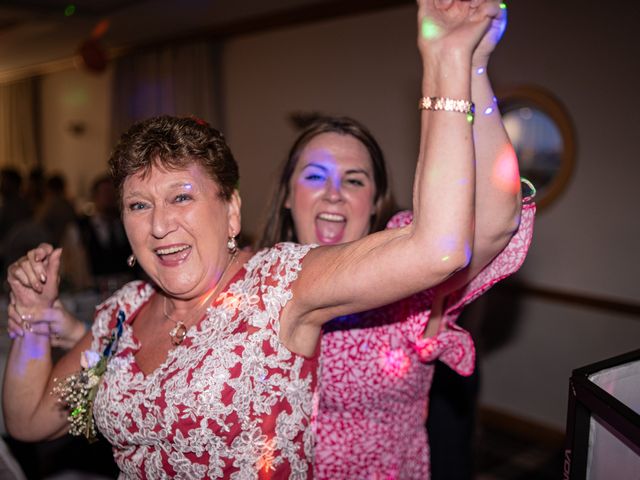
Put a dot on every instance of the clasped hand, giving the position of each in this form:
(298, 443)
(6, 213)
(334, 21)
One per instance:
(463, 27)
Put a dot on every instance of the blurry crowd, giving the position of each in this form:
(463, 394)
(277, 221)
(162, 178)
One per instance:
(36, 209)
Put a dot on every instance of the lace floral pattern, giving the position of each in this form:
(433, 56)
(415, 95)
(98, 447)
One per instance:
(377, 372)
(230, 402)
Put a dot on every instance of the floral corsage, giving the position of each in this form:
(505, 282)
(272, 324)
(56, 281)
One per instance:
(78, 391)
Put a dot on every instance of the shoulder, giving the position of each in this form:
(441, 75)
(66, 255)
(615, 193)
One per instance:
(285, 254)
(127, 298)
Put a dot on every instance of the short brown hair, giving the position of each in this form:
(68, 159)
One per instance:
(279, 226)
(174, 143)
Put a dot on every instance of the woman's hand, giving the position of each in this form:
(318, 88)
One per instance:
(454, 26)
(490, 39)
(63, 329)
(34, 279)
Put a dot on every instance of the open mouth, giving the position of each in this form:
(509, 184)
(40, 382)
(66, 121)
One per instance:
(173, 253)
(330, 227)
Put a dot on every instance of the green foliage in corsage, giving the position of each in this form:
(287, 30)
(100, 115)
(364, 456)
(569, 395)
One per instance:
(78, 391)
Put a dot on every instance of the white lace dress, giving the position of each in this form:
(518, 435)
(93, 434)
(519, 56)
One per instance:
(230, 402)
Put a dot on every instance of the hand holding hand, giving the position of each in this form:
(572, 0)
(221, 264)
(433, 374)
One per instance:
(56, 322)
(491, 38)
(34, 278)
(454, 27)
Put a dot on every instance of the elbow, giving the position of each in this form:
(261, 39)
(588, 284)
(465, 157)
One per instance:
(24, 433)
(24, 429)
(499, 229)
(17, 430)
(453, 261)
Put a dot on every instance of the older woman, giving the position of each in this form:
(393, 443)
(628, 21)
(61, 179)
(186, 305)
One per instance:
(209, 370)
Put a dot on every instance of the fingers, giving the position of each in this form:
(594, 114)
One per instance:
(20, 273)
(443, 4)
(31, 270)
(18, 324)
(14, 323)
(490, 9)
(53, 275)
(39, 321)
(36, 261)
(53, 265)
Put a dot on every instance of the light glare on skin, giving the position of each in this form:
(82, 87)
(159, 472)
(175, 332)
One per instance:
(505, 175)
(333, 176)
(36, 350)
(429, 29)
(467, 253)
(448, 245)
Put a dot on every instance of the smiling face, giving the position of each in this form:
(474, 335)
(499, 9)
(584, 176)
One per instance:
(178, 226)
(332, 190)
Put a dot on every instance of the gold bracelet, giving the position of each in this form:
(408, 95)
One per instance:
(448, 105)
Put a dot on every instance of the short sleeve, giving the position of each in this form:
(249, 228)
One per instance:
(506, 263)
(127, 299)
(453, 345)
(277, 268)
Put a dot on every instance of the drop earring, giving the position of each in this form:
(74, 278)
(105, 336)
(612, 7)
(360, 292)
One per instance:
(131, 260)
(232, 245)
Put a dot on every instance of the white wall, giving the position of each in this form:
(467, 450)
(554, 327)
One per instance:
(68, 97)
(367, 67)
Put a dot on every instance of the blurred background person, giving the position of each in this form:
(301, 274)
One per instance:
(103, 237)
(56, 211)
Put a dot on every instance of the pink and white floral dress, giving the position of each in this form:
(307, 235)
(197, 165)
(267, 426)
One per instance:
(229, 402)
(377, 371)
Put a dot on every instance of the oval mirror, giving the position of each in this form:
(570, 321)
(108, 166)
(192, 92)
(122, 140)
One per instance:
(542, 134)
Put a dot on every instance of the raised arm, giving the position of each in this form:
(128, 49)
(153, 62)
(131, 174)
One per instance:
(498, 198)
(30, 411)
(393, 264)
(497, 173)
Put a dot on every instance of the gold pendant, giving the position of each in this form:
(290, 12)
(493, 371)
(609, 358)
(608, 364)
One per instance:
(178, 333)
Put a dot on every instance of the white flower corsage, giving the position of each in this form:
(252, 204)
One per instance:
(78, 391)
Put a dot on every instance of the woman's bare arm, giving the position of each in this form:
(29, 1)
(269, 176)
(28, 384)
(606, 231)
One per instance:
(393, 264)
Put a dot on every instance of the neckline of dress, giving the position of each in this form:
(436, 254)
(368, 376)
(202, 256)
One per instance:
(145, 297)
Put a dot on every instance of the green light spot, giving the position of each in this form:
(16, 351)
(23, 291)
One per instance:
(429, 29)
(76, 98)
(503, 6)
(69, 10)
(470, 117)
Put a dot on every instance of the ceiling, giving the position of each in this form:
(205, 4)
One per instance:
(37, 35)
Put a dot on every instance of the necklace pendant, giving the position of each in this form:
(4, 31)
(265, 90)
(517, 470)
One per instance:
(178, 333)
